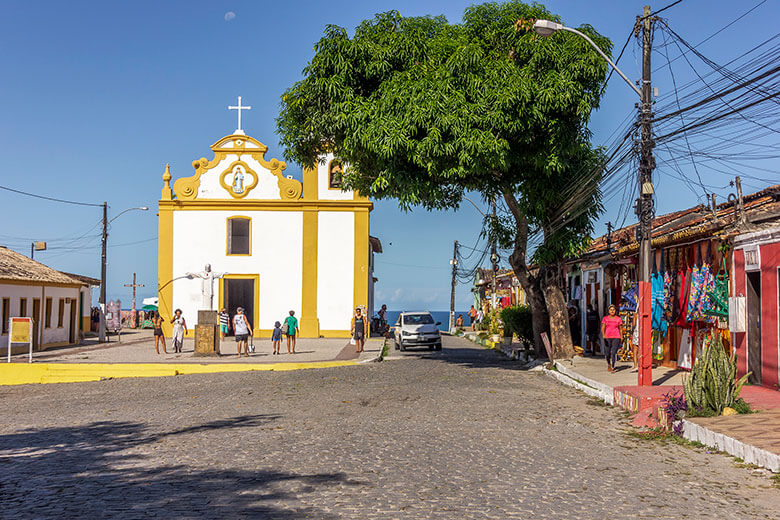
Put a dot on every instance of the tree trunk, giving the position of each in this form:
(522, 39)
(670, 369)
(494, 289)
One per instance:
(560, 334)
(533, 291)
(530, 283)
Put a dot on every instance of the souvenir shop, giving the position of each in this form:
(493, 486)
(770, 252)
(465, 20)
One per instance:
(508, 290)
(689, 291)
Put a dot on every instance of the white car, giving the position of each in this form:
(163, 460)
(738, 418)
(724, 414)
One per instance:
(417, 329)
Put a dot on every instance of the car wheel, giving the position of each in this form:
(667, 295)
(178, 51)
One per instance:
(402, 346)
(395, 343)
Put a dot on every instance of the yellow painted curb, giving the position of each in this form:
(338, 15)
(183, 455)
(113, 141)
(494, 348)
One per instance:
(23, 374)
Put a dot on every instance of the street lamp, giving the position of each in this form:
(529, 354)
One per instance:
(102, 299)
(548, 28)
(646, 165)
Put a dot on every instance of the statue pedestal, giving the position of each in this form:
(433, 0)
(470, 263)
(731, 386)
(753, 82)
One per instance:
(206, 335)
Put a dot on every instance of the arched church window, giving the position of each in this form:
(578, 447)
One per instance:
(239, 241)
(335, 172)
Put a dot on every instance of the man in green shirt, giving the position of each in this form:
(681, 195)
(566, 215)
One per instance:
(291, 325)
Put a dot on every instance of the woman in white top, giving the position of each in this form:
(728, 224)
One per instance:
(179, 329)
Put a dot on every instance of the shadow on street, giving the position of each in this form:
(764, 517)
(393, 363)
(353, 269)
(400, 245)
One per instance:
(98, 475)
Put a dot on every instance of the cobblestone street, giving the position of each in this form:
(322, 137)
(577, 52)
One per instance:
(457, 434)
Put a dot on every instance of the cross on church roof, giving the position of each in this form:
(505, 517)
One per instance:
(239, 108)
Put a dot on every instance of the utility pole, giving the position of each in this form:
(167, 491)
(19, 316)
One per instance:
(454, 263)
(494, 255)
(645, 202)
(646, 159)
(741, 218)
(102, 300)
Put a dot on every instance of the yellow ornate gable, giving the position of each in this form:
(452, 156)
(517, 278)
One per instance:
(186, 188)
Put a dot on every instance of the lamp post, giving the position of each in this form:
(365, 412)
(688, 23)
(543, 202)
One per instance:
(644, 207)
(102, 299)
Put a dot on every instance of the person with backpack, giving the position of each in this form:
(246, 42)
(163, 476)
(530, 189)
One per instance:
(243, 330)
(290, 329)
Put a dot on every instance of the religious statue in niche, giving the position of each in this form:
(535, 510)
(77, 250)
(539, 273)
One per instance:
(238, 179)
(335, 172)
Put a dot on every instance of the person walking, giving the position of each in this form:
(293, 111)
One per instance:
(276, 337)
(592, 328)
(472, 316)
(224, 321)
(359, 329)
(179, 330)
(243, 330)
(480, 316)
(610, 331)
(158, 332)
(290, 329)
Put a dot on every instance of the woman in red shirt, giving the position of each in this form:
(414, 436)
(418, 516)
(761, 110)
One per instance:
(610, 331)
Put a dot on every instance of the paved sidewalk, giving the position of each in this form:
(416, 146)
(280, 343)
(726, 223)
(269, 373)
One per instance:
(138, 359)
(753, 437)
(138, 347)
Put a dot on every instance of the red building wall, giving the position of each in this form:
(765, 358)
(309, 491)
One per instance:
(739, 339)
(770, 331)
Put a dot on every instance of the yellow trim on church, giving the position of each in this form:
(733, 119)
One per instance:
(186, 188)
(165, 265)
(256, 278)
(227, 235)
(361, 259)
(295, 196)
(270, 205)
(246, 189)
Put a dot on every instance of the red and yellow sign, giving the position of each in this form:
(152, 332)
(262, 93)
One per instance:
(20, 330)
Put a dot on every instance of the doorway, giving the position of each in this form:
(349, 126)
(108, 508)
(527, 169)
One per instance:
(754, 327)
(239, 291)
(36, 317)
(72, 322)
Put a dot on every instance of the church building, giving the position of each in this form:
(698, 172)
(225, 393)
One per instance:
(272, 243)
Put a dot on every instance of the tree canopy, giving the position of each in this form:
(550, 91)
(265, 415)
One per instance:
(423, 110)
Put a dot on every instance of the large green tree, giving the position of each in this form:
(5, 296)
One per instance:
(423, 110)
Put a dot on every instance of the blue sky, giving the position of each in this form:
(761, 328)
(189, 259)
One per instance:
(97, 97)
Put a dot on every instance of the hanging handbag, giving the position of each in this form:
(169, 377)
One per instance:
(285, 327)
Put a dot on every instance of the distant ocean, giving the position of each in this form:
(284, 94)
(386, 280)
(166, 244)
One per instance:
(442, 316)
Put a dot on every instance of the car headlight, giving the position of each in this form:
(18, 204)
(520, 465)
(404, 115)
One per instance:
(404, 333)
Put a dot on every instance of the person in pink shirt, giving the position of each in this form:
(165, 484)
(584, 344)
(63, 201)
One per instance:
(610, 331)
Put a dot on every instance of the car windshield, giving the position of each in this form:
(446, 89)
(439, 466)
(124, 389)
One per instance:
(418, 319)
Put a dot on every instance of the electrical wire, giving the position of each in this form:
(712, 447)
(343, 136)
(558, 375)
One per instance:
(20, 192)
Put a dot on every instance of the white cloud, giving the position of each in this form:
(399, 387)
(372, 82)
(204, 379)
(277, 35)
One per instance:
(229, 16)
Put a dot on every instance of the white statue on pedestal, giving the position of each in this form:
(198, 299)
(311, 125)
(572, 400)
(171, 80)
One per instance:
(207, 285)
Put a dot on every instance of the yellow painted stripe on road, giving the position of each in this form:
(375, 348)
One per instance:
(23, 373)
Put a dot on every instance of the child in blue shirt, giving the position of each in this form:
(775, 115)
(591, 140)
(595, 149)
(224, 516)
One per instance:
(277, 336)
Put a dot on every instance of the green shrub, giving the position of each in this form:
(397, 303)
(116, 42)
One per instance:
(485, 323)
(742, 406)
(519, 320)
(495, 322)
(713, 383)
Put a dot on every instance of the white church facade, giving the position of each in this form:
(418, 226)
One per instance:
(274, 244)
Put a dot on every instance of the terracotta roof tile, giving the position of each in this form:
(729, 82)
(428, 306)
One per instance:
(17, 267)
